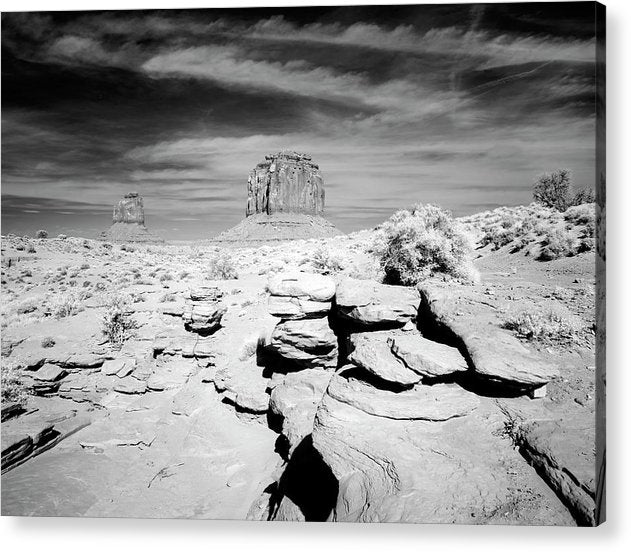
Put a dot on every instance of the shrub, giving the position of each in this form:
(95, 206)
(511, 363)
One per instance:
(551, 189)
(13, 387)
(586, 195)
(84, 266)
(420, 242)
(166, 277)
(48, 342)
(168, 298)
(221, 267)
(62, 237)
(557, 243)
(326, 263)
(542, 325)
(581, 214)
(117, 324)
(66, 304)
(41, 234)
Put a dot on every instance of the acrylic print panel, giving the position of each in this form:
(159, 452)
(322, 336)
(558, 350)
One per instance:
(193, 328)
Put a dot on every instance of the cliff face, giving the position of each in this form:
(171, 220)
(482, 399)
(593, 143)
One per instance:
(129, 210)
(286, 182)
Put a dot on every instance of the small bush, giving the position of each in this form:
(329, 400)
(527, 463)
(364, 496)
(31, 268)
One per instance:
(48, 342)
(542, 325)
(551, 190)
(41, 234)
(84, 266)
(62, 237)
(117, 324)
(556, 244)
(168, 298)
(166, 277)
(325, 262)
(420, 242)
(14, 389)
(221, 267)
(64, 305)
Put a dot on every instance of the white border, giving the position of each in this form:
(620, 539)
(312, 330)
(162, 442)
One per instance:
(95, 535)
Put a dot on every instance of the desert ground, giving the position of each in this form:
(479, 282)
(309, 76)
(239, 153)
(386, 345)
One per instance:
(285, 381)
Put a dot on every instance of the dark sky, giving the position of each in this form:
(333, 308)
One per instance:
(460, 105)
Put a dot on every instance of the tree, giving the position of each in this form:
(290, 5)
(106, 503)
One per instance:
(552, 190)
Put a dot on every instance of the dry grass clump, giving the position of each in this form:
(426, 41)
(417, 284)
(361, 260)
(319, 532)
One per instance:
(415, 244)
(542, 325)
(117, 325)
(14, 390)
(221, 267)
(65, 304)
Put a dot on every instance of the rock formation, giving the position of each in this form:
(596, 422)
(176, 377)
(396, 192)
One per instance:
(128, 221)
(286, 182)
(285, 202)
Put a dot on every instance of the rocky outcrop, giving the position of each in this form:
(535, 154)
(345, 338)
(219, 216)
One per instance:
(285, 182)
(305, 343)
(285, 202)
(128, 222)
(375, 306)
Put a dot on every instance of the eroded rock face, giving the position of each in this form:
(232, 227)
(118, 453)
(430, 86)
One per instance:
(307, 343)
(286, 182)
(204, 310)
(129, 210)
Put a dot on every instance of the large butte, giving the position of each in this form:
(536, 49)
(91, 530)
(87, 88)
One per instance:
(128, 222)
(285, 202)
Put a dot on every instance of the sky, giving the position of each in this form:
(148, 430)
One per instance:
(458, 105)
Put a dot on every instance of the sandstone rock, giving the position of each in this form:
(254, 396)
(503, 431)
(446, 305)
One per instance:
(559, 450)
(308, 343)
(313, 287)
(422, 402)
(111, 367)
(416, 471)
(286, 182)
(371, 352)
(495, 354)
(295, 400)
(243, 384)
(375, 305)
(131, 386)
(128, 221)
(426, 357)
(50, 373)
(294, 308)
(203, 311)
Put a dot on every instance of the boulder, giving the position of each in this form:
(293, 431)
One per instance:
(307, 343)
(428, 358)
(313, 287)
(243, 384)
(371, 352)
(375, 305)
(295, 400)
(203, 311)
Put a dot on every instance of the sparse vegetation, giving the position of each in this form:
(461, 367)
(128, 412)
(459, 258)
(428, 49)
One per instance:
(14, 389)
(47, 343)
(418, 243)
(542, 325)
(65, 304)
(117, 324)
(41, 234)
(221, 267)
(553, 190)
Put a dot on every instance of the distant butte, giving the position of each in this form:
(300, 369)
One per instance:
(128, 222)
(285, 202)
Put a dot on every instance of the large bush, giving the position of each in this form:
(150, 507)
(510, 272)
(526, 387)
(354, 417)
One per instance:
(553, 190)
(418, 243)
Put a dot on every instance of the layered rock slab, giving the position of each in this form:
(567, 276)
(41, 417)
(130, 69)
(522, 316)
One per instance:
(372, 305)
(306, 343)
(494, 354)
